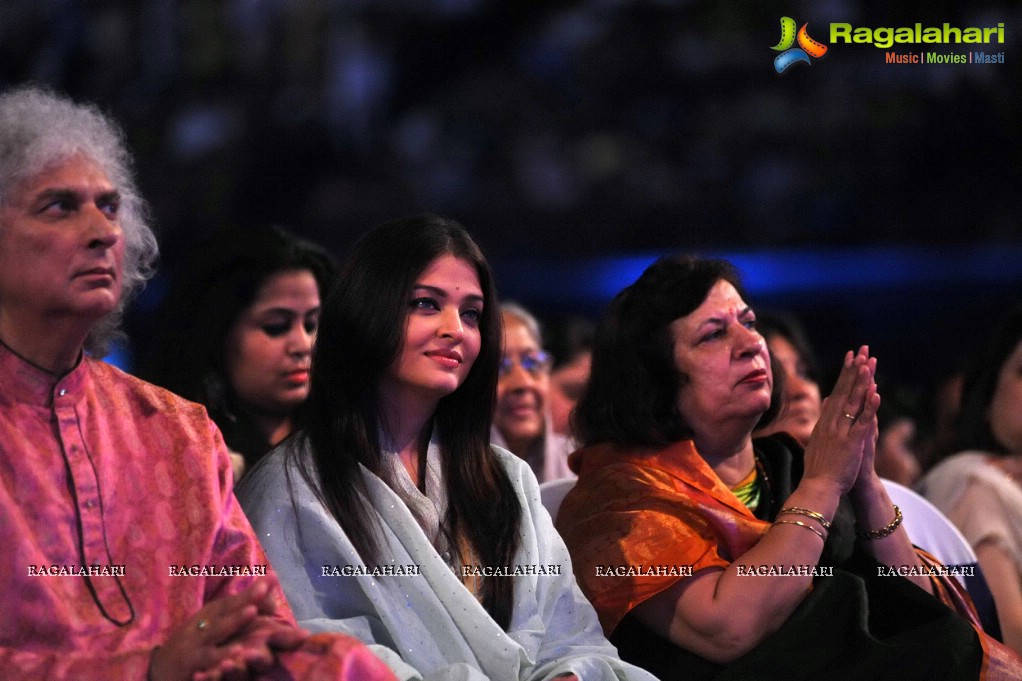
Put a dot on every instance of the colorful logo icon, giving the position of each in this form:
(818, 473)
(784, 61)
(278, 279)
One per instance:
(807, 47)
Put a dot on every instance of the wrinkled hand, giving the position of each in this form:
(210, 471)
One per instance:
(837, 447)
(867, 469)
(237, 636)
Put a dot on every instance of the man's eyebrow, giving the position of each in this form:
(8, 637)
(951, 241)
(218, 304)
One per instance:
(57, 193)
(66, 193)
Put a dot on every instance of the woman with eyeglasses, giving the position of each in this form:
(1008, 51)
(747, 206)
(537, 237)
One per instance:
(521, 422)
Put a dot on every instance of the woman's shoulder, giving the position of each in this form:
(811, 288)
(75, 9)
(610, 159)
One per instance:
(277, 477)
(958, 469)
(945, 483)
(616, 478)
(517, 469)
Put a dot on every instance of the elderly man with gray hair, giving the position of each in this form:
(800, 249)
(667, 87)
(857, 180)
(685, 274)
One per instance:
(127, 556)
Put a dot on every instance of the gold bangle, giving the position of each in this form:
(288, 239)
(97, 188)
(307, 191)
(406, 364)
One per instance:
(801, 524)
(818, 517)
(887, 529)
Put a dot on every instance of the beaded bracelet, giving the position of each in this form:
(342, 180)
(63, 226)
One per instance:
(887, 529)
(818, 517)
(801, 524)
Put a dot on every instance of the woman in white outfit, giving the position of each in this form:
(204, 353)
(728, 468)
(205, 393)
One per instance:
(979, 488)
(388, 515)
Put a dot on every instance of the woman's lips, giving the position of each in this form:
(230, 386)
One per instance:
(298, 377)
(445, 358)
(757, 376)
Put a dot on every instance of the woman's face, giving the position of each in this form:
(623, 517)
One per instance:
(1005, 411)
(269, 349)
(801, 393)
(723, 360)
(567, 383)
(442, 334)
(523, 386)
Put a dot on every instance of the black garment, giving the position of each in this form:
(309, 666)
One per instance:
(241, 434)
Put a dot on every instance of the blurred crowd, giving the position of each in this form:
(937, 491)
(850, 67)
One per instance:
(395, 410)
(562, 127)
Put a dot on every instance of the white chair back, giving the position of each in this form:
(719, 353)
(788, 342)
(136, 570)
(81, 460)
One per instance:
(552, 493)
(929, 529)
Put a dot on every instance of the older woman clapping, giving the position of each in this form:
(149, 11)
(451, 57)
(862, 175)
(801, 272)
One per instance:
(708, 554)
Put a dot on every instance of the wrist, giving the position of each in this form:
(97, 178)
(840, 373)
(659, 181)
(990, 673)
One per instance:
(819, 495)
(868, 489)
(822, 490)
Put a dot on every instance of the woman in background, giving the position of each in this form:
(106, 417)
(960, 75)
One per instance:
(236, 335)
(570, 340)
(789, 350)
(978, 488)
(387, 514)
(521, 422)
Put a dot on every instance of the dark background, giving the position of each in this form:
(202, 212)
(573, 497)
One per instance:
(577, 141)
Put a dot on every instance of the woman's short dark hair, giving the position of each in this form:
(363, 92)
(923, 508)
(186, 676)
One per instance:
(980, 382)
(632, 396)
(361, 333)
(207, 296)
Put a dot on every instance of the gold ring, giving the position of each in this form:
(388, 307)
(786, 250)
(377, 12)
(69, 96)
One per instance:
(202, 624)
(849, 416)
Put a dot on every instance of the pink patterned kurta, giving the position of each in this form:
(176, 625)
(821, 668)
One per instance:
(103, 473)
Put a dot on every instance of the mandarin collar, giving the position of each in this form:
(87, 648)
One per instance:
(24, 382)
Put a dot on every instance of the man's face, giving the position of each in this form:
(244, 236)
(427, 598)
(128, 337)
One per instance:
(61, 246)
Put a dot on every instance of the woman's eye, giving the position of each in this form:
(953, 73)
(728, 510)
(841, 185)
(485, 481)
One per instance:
(425, 304)
(750, 323)
(472, 314)
(714, 335)
(275, 330)
(311, 326)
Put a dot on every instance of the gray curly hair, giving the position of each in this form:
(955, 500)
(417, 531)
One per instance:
(38, 129)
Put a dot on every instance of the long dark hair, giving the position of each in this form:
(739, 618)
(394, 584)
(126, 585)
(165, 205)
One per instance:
(632, 396)
(360, 336)
(978, 387)
(207, 296)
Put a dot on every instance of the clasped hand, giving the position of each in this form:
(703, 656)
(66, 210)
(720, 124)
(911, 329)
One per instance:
(840, 449)
(229, 639)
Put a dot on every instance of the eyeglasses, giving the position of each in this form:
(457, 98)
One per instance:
(535, 363)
